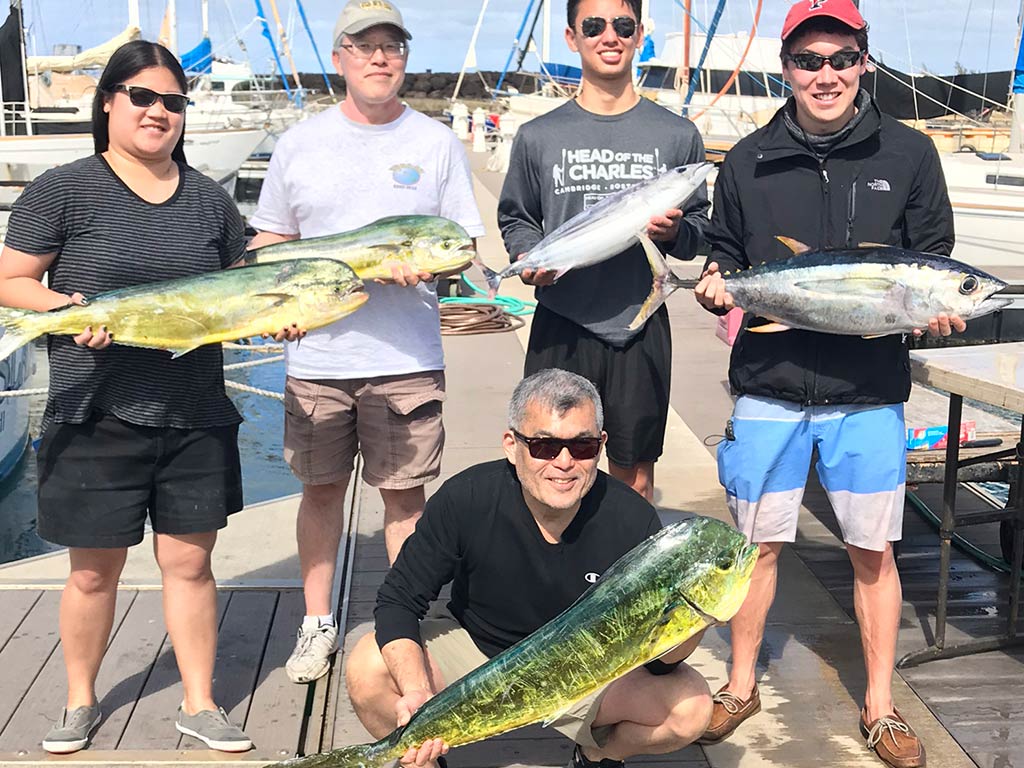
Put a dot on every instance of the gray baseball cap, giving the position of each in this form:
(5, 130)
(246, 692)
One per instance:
(359, 15)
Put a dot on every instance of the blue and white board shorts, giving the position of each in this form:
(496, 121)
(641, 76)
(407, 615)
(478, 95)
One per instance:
(861, 464)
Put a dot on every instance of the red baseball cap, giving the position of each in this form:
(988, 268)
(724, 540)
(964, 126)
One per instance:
(841, 10)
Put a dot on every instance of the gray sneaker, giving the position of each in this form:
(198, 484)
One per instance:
(71, 733)
(213, 729)
(312, 655)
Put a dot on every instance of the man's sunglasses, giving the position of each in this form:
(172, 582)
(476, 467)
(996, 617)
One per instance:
(548, 448)
(145, 97)
(812, 62)
(592, 26)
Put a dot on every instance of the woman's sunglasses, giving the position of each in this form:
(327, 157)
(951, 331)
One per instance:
(548, 448)
(812, 62)
(592, 26)
(145, 97)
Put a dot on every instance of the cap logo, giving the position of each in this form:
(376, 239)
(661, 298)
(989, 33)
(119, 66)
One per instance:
(816, 5)
(380, 5)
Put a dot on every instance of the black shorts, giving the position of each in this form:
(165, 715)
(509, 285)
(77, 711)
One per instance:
(633, 381)
(98, 481)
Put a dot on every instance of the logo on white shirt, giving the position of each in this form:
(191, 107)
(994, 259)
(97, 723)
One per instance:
(879, 185)
(406, 175)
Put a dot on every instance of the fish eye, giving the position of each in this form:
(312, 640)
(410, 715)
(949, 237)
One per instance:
(725, 561)
(969, 285)
(446, 244)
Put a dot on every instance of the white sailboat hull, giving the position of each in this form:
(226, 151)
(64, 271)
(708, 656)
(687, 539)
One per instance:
(14, 372)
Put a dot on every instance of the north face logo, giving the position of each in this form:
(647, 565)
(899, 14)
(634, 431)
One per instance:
(879, 185)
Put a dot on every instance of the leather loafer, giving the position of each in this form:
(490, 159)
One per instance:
(728, 712)
(893, 740)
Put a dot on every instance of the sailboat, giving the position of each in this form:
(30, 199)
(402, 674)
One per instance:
(25, 151)
(14, 373)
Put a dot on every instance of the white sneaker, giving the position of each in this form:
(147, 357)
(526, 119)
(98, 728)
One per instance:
(312, 655)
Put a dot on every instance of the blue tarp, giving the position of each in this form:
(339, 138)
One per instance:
(198, 61)
(1018, 71)
(563, 73)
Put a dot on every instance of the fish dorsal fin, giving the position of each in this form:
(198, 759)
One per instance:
(867, 244)
(768, 328)
(860, 286)
(794, 245)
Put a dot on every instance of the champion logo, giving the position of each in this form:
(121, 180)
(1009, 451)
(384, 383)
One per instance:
(591, 578)
(879, 185)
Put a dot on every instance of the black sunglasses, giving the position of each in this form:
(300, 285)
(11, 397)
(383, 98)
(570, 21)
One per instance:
(548, 448)
(812, 62)
(592, 26)
(146, 97)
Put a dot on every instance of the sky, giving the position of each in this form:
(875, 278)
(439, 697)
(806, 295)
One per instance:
(910, 35)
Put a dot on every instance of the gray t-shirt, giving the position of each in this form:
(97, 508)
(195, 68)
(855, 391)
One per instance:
(566, 161)
(106, 237)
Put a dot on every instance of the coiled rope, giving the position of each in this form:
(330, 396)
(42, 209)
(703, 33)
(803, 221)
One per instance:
(468, 315)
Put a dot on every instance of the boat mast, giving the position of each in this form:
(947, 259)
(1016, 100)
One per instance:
(545, 44)
(172, 26)
(685, 69)
(1017, 122)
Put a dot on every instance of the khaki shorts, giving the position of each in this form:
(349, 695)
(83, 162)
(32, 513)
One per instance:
(395, 421)
(456, 655)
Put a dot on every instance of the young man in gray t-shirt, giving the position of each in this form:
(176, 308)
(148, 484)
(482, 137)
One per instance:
(607, 138)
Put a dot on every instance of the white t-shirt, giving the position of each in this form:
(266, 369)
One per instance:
(329, 175)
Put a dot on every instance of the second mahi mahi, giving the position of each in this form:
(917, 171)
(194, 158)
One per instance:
(427, 243)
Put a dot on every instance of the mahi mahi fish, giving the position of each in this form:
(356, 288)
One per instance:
(428, 243)
(872, 290)
(180, 315)
(610, 227)
(684, 578)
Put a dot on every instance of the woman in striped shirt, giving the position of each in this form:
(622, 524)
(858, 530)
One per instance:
(130, 433)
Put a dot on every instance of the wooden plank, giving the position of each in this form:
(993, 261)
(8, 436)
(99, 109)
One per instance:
(127, 666)
(42, 703)
(276, 712)
(27, 651)
(14, 607)
(151, 724)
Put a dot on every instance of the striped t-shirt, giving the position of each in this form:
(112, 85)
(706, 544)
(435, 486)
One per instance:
(106, 237)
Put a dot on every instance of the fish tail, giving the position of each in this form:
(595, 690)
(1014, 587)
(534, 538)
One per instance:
(663, 284)
(17, 330)
(493, 279)
(358, 756)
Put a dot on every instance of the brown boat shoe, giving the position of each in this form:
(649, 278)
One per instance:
(893, 740)
(728, 712)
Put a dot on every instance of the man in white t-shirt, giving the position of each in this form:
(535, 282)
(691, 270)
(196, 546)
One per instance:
(373, 382)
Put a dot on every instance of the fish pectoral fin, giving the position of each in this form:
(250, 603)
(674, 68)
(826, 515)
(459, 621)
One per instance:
(875, 336)
(183, 351)
(874, 245)
(663, 283)
(554, 716)
(386, 247)
(768, 328)
(794, 245)
(276, 299)
(860, 286)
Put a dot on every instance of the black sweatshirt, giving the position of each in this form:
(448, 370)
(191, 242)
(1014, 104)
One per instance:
(881, 184)
(507, 581)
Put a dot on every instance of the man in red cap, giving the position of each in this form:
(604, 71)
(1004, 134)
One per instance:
(831, 171)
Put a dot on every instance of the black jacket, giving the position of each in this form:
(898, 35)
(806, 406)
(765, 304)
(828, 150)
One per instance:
(882, 184)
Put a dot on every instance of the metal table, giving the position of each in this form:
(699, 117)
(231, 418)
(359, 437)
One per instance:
(992, 374)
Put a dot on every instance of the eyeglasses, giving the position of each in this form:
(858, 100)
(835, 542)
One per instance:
(145, 97)
(548, 448)
(592, 26)
(393, 49)
(812, 62)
